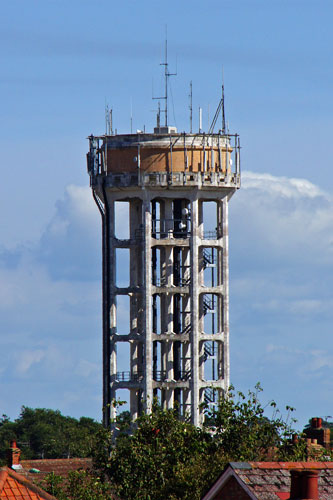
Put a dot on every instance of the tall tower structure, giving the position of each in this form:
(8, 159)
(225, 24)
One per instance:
(177, 187)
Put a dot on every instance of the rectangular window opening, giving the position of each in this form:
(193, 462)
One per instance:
(210, 220)
(123, 267)
(123, 315)
(121, 210)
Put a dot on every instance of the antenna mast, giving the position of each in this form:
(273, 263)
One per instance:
(166, 81)
(219, 108)
(108, 120)
(223, 112)
(190, 106)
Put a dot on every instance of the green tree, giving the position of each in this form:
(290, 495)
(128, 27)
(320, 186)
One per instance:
(153, 462)
(244, 432)
(80, 485)
(168, 458)
(44, 433)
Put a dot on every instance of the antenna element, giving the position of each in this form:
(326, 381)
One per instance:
(166, 80)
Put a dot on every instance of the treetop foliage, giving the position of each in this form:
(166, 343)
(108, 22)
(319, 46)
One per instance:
(159, 457)
(169, 458)
(44, 433)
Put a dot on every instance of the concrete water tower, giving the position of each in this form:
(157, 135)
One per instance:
(177, 187)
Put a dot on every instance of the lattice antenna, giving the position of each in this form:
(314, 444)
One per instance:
(167, 75)
(108, 120)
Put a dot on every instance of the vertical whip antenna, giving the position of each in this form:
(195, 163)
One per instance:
(167, 74)
(191, 106)
(220, 107)
(108, 120)
(106, 111)
(222, 101)
(158, 124)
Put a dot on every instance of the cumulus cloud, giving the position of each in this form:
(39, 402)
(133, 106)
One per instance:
(280, 297)
(25, 359)
(281, 233)
(70, 246)
(50, 303)
(291, 218)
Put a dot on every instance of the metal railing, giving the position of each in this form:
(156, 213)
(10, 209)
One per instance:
(127, 376)
(209, 305)
(210, 350)
(160, 375)
(211, 396)
(159, 281)
(171, 228)
(213, 234)
(209, 258)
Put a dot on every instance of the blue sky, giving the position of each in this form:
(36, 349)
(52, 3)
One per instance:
(60, 62)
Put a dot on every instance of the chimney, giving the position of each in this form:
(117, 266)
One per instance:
(13, 456)
(317, 431)
(316, 423)
(304, 484)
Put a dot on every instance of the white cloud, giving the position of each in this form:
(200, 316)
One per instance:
(281, 300)
(281, 186)
(281, 234)
(282, 217)
(25, 359)
(85, 368)
(70, 247)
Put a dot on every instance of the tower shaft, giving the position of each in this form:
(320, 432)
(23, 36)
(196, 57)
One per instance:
(176, 188)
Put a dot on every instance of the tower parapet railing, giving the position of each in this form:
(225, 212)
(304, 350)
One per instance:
(163, 160)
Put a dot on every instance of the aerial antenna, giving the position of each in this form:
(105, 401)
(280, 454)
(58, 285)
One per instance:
(158, 124)
(223, 112)
(220, 108)
(108, 119)
(166, 80)
(191, 106)
(131, 115)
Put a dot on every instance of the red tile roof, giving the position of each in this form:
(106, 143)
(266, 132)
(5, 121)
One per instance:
(271, 480)
(60, 466)
(13, 486)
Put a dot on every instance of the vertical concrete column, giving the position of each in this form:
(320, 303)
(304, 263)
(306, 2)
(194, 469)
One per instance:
(219, 267)
(219, 360)
(187, 403)
(169, 359)
(164, 354)
(135, 269)
(194, 292)
(113, 302)
(168, 215)
(201, 360)
(136, 235)
(187, 357)
(134, 404)
(134, 357)
(225, 307)
(148, 391)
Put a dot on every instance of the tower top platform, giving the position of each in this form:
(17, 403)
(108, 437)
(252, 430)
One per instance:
(165, 159)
